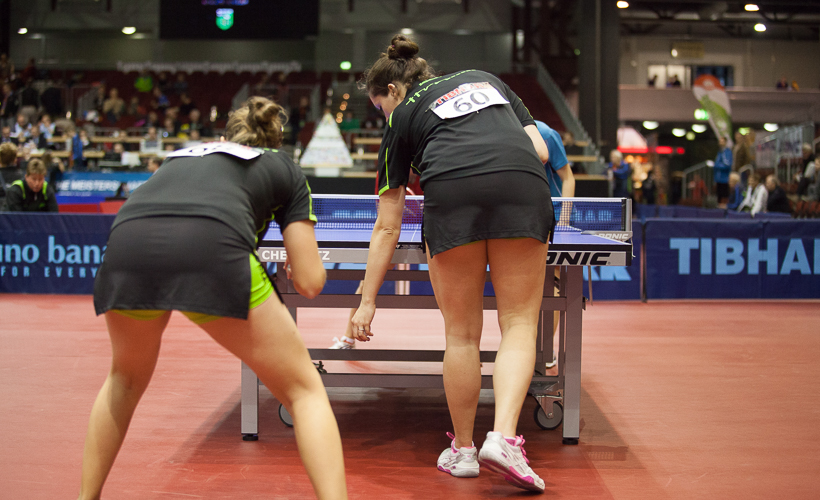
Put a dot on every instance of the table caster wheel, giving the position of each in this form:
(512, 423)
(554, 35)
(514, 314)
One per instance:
(250, 437)
(551, 421)
(284, 416)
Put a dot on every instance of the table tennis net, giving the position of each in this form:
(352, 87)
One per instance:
(571, 214)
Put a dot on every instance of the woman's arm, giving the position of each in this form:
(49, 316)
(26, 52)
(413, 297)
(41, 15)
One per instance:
(303, 255)
(382, 246)
(538, 142)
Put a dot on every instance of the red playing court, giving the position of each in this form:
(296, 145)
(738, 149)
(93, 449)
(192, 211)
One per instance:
(680, 400)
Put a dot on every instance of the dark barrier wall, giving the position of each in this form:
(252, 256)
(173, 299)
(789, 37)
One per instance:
(617, 282)
(694, 259)
(48, 253)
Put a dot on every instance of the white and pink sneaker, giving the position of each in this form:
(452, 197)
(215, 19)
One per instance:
(507, 457)
(458, 462)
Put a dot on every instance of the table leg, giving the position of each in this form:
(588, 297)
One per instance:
(571, 366)
(250, 404)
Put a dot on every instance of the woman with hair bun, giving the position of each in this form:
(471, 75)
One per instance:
(185, 240)
(486, 201)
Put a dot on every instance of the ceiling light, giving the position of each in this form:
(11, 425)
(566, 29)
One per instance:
(345, 65)
(750, 7)
(699, 128)
(690, 135)
(770, 127)
(22, 31)
(678, 132)
(129, 30)
(760, 27)
(648, 125)
(407, 31)
(622, 5)
(674, 52)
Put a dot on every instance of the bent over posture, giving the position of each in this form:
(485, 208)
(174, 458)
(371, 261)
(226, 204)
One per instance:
(185, 240)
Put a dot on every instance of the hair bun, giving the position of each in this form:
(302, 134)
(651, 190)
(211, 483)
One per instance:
(402, 47)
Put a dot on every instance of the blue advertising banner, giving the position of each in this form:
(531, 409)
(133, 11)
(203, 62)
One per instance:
(732, 259)
(50, 253)
(617, 282)
(95, 186)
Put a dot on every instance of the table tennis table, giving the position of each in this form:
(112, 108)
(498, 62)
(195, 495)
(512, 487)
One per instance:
(589, 232)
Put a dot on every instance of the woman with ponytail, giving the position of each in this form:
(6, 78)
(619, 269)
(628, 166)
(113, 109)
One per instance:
(185, 240)
(486, 202)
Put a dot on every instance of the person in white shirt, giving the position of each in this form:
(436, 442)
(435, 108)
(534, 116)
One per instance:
(756, 196)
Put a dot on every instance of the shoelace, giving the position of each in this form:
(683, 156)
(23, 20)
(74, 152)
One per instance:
(521, 447)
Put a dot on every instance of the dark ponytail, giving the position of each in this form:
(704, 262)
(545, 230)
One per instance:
(399, 64)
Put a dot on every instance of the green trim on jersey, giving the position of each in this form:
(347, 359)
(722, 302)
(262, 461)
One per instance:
(412, 99)
(386, 171)
(23, 188)
(312, 215)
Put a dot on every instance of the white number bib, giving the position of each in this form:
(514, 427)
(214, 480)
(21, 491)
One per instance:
(467, 98)
(230, 148)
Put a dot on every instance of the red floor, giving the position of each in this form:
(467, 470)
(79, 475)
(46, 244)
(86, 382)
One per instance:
(713, 400)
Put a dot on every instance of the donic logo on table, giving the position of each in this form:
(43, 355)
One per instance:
(726, 256)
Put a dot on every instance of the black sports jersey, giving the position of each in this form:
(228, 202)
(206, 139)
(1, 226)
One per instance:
(457, 125)
(242, 193)
(20, 198)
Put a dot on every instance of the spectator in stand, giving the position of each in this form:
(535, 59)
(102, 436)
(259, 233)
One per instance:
(777, 200)
(154, 163)
(32, 193)
(47, 127)
(194, 139)
(56, 169)
(144, 83)
(349, 123)
(6, 67)
(9, 170)
(756, 196)
(6, 137)
(620, 174)
(782, 84)
(99, 98)
(36, 139)
(162, 81)
(152, 120)
(181, 84)
(151, 142)
(807, 173)
(185, 104)
(160, 101)
(52, 99)
(723, 166)
(741, 156)
(29, 100)
(195, 122)
(9, 106)
(298, 116)
(795, 87)
(649, 188)
(264, 87)
(134, 108)
(114, 106)
(29, 73)
(22, 128)
(169, 127)
(76, 145)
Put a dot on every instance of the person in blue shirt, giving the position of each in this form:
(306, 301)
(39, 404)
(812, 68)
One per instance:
(621, 175)
(562, 184)
(737, 193)
(723, 166)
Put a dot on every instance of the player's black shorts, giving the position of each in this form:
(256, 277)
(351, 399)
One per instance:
(507, 204)
(191, 264)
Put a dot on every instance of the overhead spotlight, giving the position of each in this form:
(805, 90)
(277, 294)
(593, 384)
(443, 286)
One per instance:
(699, 128)
(750, 7)
(674, 52)
(649, 125)
(129, 30)
(690, 136)
(770, 127)
(22, 31)
(678, 132)
(760, 27)
(622, 5)
(407, 31)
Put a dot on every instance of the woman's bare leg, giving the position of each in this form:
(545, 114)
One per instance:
(135, 346)
(458, 277)
(269, 343)
(517, 268)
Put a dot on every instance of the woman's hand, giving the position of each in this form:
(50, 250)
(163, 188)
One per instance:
(361, 322)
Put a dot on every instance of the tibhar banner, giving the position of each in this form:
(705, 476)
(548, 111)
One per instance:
(712, 96)
(688, 259)
(49, 253)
